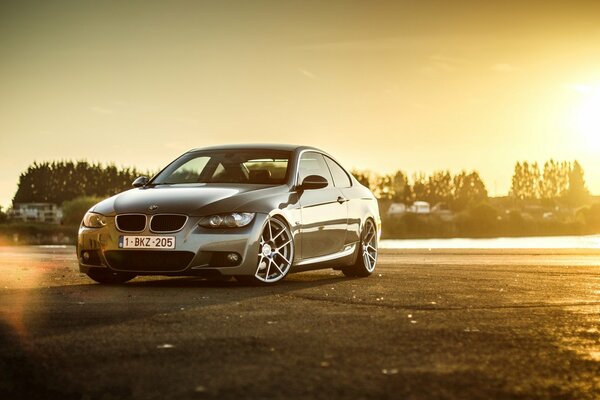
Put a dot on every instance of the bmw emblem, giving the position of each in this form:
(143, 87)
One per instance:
(153, 207)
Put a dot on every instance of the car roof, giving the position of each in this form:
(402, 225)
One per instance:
(258, 146)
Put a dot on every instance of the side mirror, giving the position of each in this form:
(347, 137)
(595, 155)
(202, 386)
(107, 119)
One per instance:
(140, 181)
(314, 182)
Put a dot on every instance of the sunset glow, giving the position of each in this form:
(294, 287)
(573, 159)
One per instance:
(384, 85)
(587, 116)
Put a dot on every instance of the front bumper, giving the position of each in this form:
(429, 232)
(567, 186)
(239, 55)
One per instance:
(206, 248)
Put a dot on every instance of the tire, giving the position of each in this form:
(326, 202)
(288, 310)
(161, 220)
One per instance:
(108, 277)
(366, 259)
(275, 254)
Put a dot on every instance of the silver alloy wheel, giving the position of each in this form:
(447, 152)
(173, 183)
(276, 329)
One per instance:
(369, 246)
(275, 252)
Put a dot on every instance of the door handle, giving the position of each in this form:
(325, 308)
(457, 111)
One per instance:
(341, 199)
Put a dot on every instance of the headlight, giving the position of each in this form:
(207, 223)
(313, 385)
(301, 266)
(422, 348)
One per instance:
(231, 220)
(94, 220)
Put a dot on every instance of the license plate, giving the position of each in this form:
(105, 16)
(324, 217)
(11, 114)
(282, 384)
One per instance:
(147, 242)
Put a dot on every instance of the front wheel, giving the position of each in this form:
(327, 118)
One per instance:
(275, 254)
(108, 277)
(367, 256)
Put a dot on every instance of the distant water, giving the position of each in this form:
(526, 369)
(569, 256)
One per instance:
(545, 242)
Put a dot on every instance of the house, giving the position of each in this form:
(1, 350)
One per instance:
(36, 212)
(396, 209)
(419, 207)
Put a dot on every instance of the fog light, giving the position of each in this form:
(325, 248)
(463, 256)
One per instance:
(86, 255)
(233, 257)
(221, 259)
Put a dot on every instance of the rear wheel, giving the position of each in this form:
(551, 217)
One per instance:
(367, 256)
(275, 254)
(106, 276)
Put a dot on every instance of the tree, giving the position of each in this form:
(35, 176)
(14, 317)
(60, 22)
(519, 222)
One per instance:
(468, 189)
(74, 210)
(558, 180)
(526, 181)
(591, 217)
(419, 187)
(535, 181)
(400, 188)
(517, 190)
(555, 178)
(577, 193)
(3, 216)
(383, 187)
(363, 177)
(439, 187)
(479, 219)
(60, 181)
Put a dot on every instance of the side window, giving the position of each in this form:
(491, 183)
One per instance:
(340, 177)
(313, 164)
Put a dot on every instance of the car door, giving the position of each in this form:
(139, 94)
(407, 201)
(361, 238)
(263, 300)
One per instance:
(342, 181)
(324, 212)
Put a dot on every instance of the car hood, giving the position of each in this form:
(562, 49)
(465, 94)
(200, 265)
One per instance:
(193, 200)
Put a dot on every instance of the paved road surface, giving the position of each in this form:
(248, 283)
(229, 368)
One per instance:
(428, 325)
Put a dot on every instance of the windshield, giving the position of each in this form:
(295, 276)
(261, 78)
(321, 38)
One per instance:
(268, 167)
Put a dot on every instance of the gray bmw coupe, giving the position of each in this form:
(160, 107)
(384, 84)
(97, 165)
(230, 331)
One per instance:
(256, 212)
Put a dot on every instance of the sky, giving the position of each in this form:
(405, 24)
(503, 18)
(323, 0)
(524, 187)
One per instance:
(416, 86)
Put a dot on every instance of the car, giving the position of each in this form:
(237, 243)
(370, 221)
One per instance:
(253, 212)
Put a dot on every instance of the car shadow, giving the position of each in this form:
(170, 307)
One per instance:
(291, 282)
(61, 309)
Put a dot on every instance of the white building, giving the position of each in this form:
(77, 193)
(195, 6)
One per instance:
(396, 209)
(36, 212)
(419, 207)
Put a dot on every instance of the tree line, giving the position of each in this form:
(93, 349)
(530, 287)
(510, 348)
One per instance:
(557, 181)
(60, 181)
(78, 185)
(554, 181)
(440, 187)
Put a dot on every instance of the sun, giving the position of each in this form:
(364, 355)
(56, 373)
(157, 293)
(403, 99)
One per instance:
(587, 117)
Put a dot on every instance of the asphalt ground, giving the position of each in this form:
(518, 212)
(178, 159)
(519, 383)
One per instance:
(467, 324)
